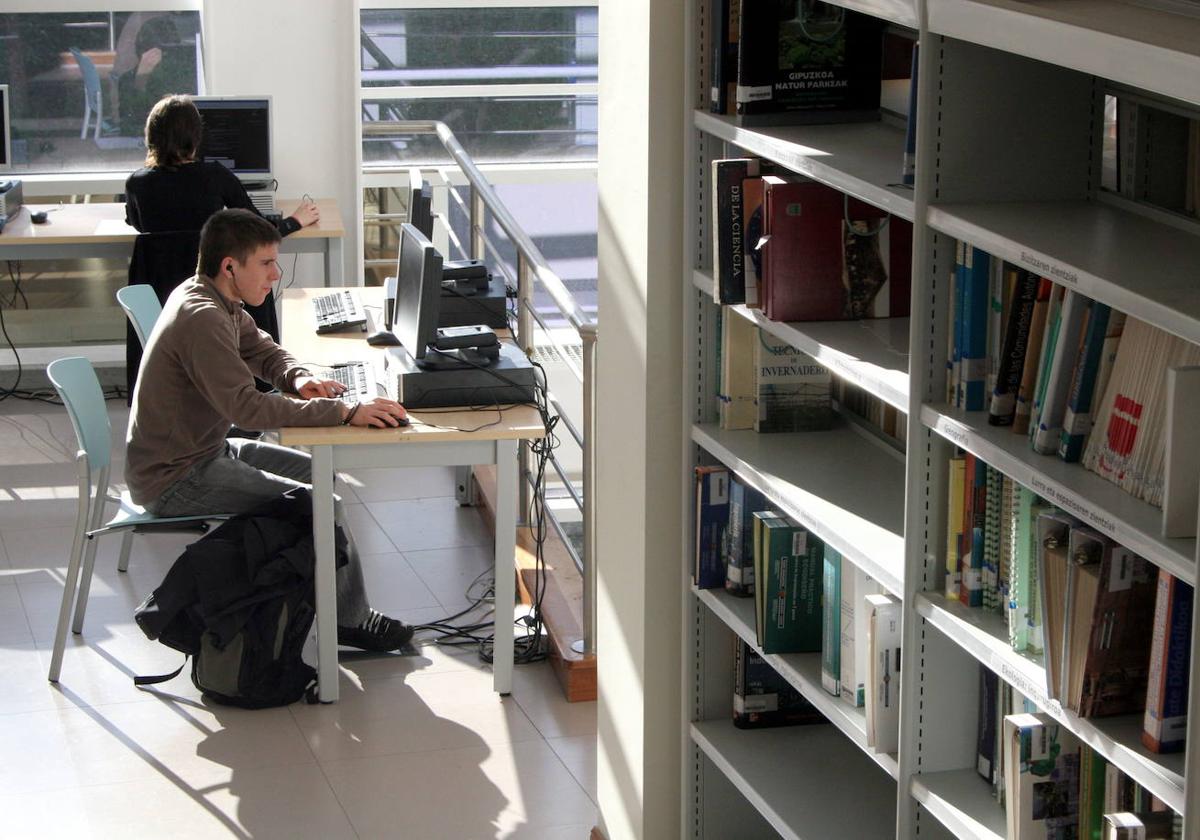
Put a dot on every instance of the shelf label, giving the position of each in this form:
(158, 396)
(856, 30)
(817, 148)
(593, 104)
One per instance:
(846, 370)
(1073, 505)
(1034, 691)
(1054, 272)
(953, 432)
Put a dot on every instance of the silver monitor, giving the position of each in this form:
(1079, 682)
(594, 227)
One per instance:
(5, 134)
(418, 292)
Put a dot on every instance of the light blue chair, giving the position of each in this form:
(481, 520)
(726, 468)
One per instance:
(75, 381)
(93, 99)
(141, 305)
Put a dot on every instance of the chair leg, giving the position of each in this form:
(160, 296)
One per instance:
(126, 545)
(87, 117)
(99, 115)
(64, 610)
(85, 584)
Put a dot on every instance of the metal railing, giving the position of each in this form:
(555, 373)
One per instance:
(531, 269)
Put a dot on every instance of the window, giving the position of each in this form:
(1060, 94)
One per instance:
(82, 83)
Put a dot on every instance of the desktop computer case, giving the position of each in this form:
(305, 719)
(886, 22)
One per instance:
(416, 388)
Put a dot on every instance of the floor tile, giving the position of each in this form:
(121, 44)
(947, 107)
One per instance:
(537, 690)
(276, 802)
(421, 524)
(392, 585)
(578, 753)
(392, 483)
(419, 713)
(502, 791)
(448, 572)
(368, 536)
(14, 627)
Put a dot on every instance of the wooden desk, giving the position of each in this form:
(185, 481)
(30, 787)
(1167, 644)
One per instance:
(432, 439)
(81, 231)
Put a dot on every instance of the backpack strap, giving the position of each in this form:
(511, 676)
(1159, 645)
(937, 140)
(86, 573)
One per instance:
(159, 678)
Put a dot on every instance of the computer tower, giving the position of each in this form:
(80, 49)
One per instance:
(11, 197)
(488, 308)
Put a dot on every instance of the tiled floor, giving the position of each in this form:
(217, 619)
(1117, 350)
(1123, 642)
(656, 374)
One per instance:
(418, 747)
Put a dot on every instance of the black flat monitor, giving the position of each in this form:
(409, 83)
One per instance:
(5, 136)
(420, 203)
(418, 291)
(237, 134)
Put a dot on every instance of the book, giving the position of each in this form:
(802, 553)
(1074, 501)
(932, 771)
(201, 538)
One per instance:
(744, 500)
(856, 585)
(1049, 340)
(791, 390)
(1054, 534)
(958, 281)
(976, 304)
(985, 730)
(883, 673)
(831, 622)
(729, 242)
(954, 522)
(821, 255)
(1181, 485)
(788, 567)
(1077, 422)
(1092, 771)
(761, 697)
(739, 338)
(1075, 308)
(809, 63)
(712, 518)
(1029, 369)
(724, 16)
(753, 192)
(970, 566)
(1111, 594)
(1164, 726)
(1024, 607)
(991, 540)
(1042, 785)
(1003, 408)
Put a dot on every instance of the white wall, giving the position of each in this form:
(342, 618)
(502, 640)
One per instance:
(639, 433)
(302, 53)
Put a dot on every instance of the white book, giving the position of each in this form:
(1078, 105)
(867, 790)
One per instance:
(1041, 765)
(1123, 826)
(1181, 470)
(856, 586)
(883, 675)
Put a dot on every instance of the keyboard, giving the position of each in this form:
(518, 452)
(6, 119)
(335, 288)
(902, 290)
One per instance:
(338, 311)
(358, 379)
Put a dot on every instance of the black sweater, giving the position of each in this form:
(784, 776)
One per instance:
(183, 197)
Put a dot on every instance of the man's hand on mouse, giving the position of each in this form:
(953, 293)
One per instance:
(380, 413)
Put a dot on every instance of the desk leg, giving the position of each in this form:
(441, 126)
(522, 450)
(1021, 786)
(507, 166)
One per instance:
(334, 265)
(506, 557)
(322, 494)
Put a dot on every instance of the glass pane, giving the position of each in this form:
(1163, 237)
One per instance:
(492, 130)
(82, 83)
(478, 46)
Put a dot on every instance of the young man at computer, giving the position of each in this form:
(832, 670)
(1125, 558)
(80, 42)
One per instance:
(197, 377)
(174, 191)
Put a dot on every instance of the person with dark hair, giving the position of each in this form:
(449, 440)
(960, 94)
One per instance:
(174, 191)
(197, 377)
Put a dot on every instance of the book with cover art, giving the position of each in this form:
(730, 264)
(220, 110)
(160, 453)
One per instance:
(788, 566)
(807, 62)
(761, 697)
(792, 391)
(1041, 764)
(823, 258)
(712, 518)
(1110, 592)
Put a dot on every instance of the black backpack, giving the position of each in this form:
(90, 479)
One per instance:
(239, 602)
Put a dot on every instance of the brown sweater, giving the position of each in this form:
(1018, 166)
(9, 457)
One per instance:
(197, 378)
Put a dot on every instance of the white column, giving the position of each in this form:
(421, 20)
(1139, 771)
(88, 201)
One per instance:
(638, 434)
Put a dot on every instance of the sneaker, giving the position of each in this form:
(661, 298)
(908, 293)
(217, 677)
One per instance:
(377, 633)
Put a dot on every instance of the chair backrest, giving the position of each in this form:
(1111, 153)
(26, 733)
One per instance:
(91, 79)
(75, 380)
(141, 304)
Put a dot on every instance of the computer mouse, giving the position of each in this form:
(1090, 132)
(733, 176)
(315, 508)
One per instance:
(38, 218)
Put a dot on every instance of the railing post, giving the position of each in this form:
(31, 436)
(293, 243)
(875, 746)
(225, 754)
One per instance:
(524, 304)
(587, 646)
(478, 212)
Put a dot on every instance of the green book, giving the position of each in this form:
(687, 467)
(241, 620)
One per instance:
(789, 597)
(831, 622)
(1024, 607)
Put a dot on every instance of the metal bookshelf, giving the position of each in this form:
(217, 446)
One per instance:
(1011, 93)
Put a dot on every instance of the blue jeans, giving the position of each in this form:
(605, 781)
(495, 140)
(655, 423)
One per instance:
(247, 474)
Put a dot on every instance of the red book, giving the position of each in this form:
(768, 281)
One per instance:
(823, 260)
